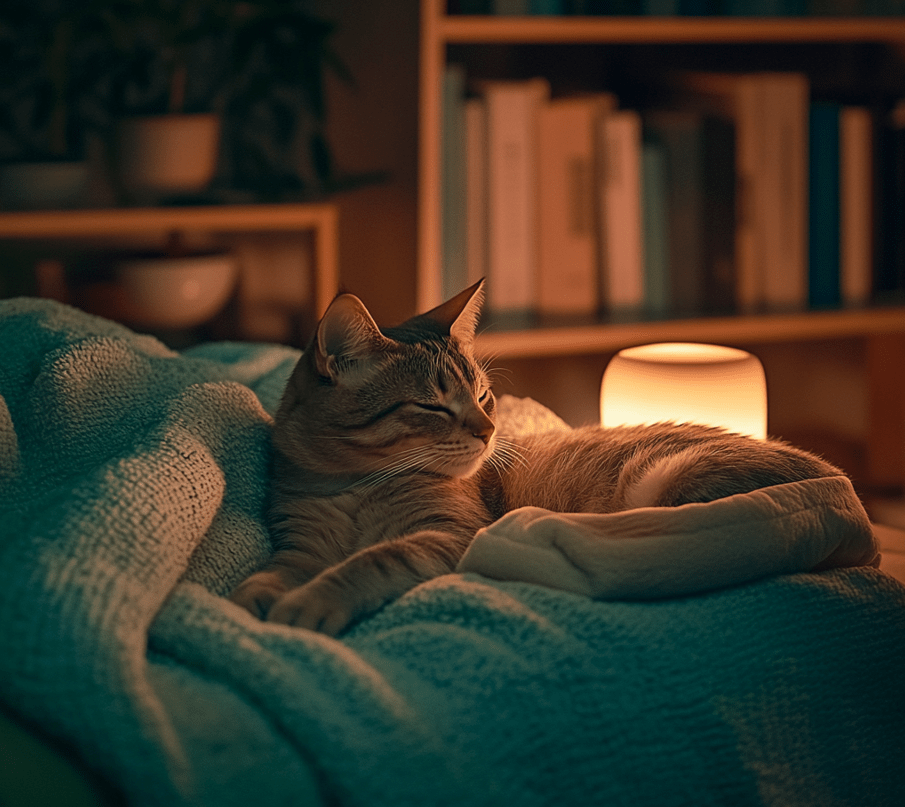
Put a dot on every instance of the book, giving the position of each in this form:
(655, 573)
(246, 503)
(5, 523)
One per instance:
(784, 174)
(856, 192)
(720, 222)
(824, 163)
(475, 190)
(739, 97)
(680, 135)
(621, 241)
(769, 112)
(890, 243)
(699, 152)
(454, 274)
(512, 108)
(655, 228)
(567, 250)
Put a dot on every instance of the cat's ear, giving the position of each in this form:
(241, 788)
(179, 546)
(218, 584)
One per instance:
(346, 334)
(460, 314)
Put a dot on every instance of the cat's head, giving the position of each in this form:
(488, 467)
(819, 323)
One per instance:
(364, 401)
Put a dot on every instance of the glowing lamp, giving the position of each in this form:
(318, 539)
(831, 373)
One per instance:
(685, 382)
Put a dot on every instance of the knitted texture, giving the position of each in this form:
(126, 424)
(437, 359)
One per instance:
(132, 484)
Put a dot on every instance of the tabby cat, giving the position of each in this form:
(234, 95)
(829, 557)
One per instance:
(387, 462)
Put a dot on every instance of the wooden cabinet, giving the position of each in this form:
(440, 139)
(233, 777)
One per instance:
(851, 59)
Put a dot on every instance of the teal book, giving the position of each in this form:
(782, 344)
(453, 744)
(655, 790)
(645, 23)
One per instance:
(655, 224)
(824, 287)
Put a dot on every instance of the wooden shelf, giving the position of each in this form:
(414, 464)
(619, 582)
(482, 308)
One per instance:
(114, 221)
(321, 219)
(515, 30)
(746, 330)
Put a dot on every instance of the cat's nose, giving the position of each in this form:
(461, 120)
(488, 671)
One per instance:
(484, 433)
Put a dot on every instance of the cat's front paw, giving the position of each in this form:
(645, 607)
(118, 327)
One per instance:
(258, 593)
(317, 606)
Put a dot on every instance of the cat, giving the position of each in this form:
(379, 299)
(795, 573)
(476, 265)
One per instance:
(387, 462)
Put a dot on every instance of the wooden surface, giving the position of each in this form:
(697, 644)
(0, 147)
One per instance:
(603, 29)
(753, 329)
(322, 219)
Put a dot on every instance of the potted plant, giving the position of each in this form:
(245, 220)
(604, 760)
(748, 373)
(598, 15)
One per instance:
(45, 103)
(181, 72)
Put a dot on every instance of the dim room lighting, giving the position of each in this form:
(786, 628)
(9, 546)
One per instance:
(685, 382)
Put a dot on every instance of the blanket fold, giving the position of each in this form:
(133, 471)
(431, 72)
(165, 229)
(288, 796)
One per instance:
(675, 551)
(132, 487)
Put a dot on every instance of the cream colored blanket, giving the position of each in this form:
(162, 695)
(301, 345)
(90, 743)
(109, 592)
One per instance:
(672, 551)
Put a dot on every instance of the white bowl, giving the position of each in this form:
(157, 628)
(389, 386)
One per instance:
(176, 292)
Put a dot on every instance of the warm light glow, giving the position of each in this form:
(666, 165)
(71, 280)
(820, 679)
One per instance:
(685, 382)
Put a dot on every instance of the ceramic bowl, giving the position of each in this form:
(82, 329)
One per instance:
(183, 292)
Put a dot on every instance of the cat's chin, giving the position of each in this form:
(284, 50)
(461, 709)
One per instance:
(468, 467)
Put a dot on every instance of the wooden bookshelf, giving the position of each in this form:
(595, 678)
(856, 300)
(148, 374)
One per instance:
(881, 330)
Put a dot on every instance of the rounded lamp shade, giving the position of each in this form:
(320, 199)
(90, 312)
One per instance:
(685, 382)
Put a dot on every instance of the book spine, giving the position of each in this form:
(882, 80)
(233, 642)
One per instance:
(890, 244)
(476, 189)
(719, 214)
(453, 171)
(784, 129)
(856, 135)
(621, 212)
(512, 115)
(657, 283)
(823, 253)
(567, 265)
(681, 135)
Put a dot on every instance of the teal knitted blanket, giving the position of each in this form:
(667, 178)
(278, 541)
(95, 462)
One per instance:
(132, 481)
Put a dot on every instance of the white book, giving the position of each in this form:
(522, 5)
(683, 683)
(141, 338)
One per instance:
(856, 205)
(513, 108)
(568, 255)
(621, 213)
(476, 190)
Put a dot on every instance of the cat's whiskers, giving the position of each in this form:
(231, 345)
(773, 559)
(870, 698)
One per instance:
(418, 458)
(506, 455)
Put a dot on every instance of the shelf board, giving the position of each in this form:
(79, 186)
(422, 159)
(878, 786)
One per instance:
(740, 330)
(512, 30)
(117, 221)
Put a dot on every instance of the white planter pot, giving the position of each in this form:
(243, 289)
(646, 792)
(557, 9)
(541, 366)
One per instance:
(42, 185)
(165, 155)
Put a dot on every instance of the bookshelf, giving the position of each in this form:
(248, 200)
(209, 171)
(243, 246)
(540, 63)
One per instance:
(842, 56)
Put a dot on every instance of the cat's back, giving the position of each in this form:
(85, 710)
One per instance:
(602, 470)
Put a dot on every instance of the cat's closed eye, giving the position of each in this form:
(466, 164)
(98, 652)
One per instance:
(442, 410)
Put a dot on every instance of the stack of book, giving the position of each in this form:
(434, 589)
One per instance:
(745, 196)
